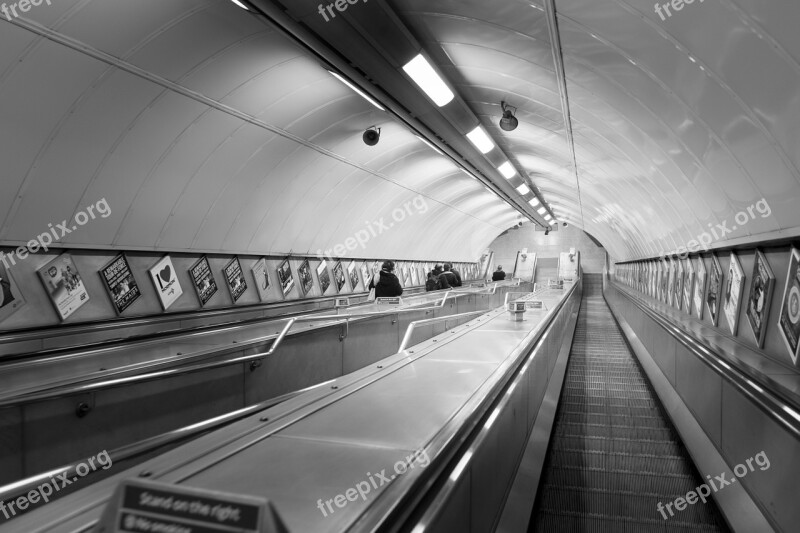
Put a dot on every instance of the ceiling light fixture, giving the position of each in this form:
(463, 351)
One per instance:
(481, 140)
(507, 170)
(361, 93)
(433, 147)
(423, 74)
(534, 202)
(238, 3)
(508, 122)
(523, 189)
(541, 210)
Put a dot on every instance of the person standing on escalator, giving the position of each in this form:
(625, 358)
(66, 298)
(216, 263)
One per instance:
(387, 285)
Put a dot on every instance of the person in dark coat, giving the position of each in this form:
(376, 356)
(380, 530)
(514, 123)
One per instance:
(388, 285)
(498, 275)
(447, 279)
(441, 281)
(456, 274)
(431, 284)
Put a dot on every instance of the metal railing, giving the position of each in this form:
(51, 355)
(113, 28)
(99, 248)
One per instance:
(61, 391)
(412, 326)
(780, 408)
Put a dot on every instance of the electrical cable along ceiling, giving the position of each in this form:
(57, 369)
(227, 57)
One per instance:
(681, 123)
(208, 128)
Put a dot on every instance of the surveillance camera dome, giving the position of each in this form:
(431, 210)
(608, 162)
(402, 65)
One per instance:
(372, 136)
(565, 224)
(508, 122)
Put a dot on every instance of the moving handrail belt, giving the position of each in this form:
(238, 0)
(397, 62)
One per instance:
(777, 406)
(403, 496)
(82, 386)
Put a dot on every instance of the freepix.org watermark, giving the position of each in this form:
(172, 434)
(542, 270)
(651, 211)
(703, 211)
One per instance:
(362, 488)
(704, 240)
(53, 485)
(704, 491)
(54, 234)
(340, 5)
(23, 5)
(373, 229)
(676, 5)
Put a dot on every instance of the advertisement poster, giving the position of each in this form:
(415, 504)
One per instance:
(671, 283)
(323, 276)
(338, 276)
(285, 277)
(365, 275)
(414, 274)
(699, 288)
(664, 281)
(306, 279)
(352, 273)
(261, 278)
(11, 299)
(119, 281)
(760, 298)
(688, 286)
(203, 280)
(165, 280)
(64, 285)
(789, 318)
(679, 275)
(733, 293)
(714, 289)
(234, 278)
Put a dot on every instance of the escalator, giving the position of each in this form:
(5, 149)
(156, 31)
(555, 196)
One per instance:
(614, 455)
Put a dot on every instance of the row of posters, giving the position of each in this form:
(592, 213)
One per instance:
(67, 292)
(687, 285)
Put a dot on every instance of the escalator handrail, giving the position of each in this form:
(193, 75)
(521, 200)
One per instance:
(405, 493)
(775, 404)
(13, 490)
(87, 386)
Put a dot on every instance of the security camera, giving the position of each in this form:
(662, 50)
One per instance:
(508, 122)
(372, 136)
(565, 224)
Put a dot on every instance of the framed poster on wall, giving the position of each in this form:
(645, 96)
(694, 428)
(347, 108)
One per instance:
(714, 289)
(338, 276)
(165, 280)
(733, 294)
(306, 279)
(234, 279)
(688, 287)
(323, 276)
(760, 298)
(678, 296)
(203, 280)
(700, 288)
(789, 317)
(671, 283)
(261, 278)
(64, 285)
(11, 298)
(352, 274)
(663, 290)
(120, 283)
(285, 277)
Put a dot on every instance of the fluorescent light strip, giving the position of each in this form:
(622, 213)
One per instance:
(523, 189)
(534, 202)
(541, 210)
(428, 80)
(238, 3)
(361, 93)
(481, 140)
(507, 170)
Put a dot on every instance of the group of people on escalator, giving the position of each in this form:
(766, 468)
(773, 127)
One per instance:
(386, 284)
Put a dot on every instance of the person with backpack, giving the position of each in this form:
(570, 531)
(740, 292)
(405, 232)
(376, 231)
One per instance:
(431, 284)
(447, 279)
(387, 285)
(456, 274)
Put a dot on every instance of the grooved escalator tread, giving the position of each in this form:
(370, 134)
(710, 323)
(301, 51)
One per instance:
(614, 455)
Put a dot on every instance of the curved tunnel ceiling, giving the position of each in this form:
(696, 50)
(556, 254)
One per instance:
(207, 129)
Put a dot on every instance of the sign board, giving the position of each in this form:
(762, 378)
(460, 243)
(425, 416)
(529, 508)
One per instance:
(234, 279)
(143, 506)
(203, 280)
(342, 302)
(535, 304)
(516, 307)
(64, 285)
(389, 300)
(120, 283)
(165, 280)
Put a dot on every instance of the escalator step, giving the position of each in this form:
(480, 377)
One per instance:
(613, 455)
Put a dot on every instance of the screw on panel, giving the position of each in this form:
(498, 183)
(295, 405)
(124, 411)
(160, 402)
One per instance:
(264, 419)
(82, 409)
(334, 387)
